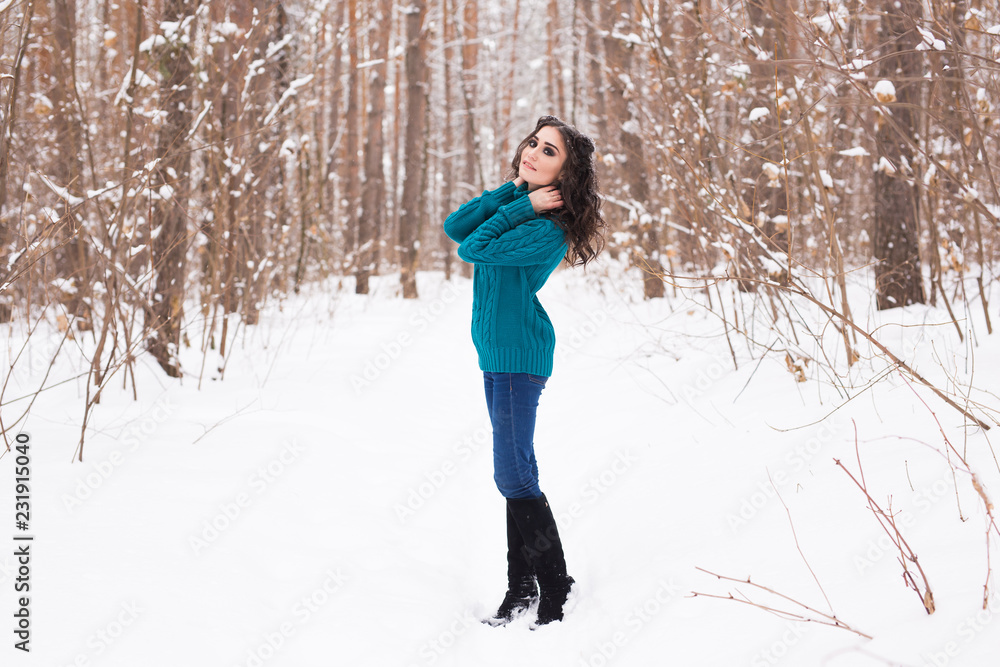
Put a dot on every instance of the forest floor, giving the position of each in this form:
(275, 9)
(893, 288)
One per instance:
(330, 501)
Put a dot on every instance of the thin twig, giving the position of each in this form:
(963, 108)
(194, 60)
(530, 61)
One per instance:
(906, 553)
(797, 546)
(824, 619)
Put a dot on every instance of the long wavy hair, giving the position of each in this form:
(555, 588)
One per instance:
(580, 215)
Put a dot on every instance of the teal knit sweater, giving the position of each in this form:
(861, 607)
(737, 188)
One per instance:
(514, 252)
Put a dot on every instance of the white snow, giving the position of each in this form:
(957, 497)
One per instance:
(61, 192)
(371, 63)
(757, 113)
(143, 80)
(201, 116)
(275, 47)
(771, 170)
(64, 285)
(631, 126)
(835, 17)
(225, 28)
(291, 91)
(331, 500)
(740, 71)
(856, 151)
(152, 42)
(929, 41)
(123, 89)
(886, 166)
(884, 90)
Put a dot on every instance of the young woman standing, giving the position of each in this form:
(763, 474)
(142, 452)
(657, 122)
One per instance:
(516, 236)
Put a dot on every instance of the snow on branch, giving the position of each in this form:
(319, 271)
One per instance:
(275, 47)
(61, 192)
(291, 91)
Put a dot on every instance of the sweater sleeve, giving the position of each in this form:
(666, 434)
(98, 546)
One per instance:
(515, 236)
(476, 211)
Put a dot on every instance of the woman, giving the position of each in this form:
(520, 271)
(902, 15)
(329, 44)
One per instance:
(516, 236)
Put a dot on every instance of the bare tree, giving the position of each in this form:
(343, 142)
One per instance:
(171, 183)
(621, 104)
(765, 161)
(9, 88)
(67, 166)
(372, 215)
(350, 165)
(415, 149)
(469, 88)
(554, 68)
(595, 72)
(896, 206)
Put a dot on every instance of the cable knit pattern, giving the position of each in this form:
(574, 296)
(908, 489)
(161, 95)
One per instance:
(514, 252)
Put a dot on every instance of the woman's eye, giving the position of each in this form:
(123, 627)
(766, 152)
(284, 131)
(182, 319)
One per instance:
(548, 151)
(532, 143)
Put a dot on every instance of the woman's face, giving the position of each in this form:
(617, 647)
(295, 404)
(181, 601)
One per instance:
(543, 158)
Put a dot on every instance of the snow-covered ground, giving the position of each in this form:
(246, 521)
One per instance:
(330, 502)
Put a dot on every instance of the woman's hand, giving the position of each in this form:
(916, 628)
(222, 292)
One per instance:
(518, 182)
(546, 199)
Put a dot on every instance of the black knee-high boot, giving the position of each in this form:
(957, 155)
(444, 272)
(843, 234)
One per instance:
(544, 551)
(521, 587)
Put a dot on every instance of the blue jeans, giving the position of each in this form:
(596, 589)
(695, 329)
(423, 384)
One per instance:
(512, 399)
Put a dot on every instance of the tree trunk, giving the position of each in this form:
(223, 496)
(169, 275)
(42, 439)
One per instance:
(765, 168)
(595, 72)
(446, 159)
(352, 178)
(72, 258)
(269, 192)
(554, 67)
(416, 118)
(335, 132)
(895, 223)
(509, 88)
(470, 61)
(10, 89)
(621, 111)
(374, 191)
(169, 214)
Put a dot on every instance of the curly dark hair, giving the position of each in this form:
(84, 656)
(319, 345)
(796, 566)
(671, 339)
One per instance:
(580, 215)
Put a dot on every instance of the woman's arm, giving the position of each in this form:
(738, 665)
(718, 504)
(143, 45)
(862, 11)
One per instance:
(515, 236)
(476, 211)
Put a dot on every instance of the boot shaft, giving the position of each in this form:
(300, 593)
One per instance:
(542, 547)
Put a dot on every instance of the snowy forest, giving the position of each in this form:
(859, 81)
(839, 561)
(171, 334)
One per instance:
(221, 229)
(173, 160)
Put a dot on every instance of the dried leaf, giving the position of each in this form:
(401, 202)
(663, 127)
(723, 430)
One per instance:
(795, 368)
(982, 493)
